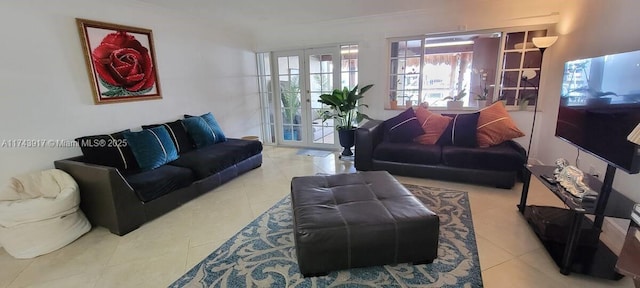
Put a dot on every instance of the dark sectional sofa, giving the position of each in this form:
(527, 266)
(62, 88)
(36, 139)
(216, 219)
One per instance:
(497, 166)
(124, 200)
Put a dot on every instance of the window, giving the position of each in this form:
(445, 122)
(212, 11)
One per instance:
(474, 67)
(520, 68)
(266, 97)
(349, 65)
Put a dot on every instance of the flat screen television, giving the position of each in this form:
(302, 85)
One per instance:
(600, 106)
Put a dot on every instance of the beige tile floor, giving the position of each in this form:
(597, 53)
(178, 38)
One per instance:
(161, 251)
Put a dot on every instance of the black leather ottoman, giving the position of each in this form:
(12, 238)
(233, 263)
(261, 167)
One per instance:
(356, 220)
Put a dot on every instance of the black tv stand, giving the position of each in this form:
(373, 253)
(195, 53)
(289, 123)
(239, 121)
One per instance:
(569, 236)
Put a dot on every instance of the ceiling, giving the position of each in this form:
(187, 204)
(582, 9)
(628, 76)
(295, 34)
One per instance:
(255, 15)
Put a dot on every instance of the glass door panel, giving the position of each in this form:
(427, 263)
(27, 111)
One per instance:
(304, 75)
(321, 81)
(291, 98)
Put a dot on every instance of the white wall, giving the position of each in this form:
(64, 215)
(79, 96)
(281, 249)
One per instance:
(45, 91)
(586, 29)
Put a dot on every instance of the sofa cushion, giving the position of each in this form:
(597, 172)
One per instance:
(433, 125)
(408, 153)
(212, 159)
(501, 157)
(178, 134)
(462, 130)
(152, 184)
(152, 147)
(495, 126)
(249, 147)
(403, 127)
(204, 129)
(109, 150)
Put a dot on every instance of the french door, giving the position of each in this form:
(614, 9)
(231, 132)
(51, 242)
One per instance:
(304, 75)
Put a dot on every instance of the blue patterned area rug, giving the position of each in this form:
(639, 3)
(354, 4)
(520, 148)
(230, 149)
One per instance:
(263, 254)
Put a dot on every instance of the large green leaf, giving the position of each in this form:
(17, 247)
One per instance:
(344, 103)
(117, 91)
(365, 89)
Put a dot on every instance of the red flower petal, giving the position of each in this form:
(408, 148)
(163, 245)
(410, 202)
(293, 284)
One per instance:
(121, 60)
(119, 39)
(104, 73)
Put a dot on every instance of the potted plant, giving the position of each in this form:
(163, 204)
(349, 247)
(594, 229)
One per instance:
(455, 102)
(343, 109)
(481, 97)
(526, 96)
(393, 101)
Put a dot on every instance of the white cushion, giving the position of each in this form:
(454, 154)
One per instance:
(38, 238)
(39, 213)
(47, 183)
(23, 210)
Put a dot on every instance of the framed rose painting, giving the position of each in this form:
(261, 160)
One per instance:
(120, 62)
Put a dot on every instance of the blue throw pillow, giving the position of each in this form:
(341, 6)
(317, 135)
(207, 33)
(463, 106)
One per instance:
(152, 147)
(462, 130)
(215, 127)
(178, 134)
(403, 128)
(204, 130)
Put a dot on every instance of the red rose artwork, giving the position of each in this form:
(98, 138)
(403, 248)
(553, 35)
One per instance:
(123, 65)
(120, 61)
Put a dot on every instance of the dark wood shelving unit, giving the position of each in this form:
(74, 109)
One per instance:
(570, 238)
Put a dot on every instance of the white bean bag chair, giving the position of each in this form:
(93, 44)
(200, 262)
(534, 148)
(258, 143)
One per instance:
(39, 213)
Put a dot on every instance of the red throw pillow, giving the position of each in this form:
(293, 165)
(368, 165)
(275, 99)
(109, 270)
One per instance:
(495, 126)
(433, 125)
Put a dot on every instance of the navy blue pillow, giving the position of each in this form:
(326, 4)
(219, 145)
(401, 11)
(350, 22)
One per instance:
(462, 130)
(152, 147)
(178, 135)
(109, 150)
(403, 128)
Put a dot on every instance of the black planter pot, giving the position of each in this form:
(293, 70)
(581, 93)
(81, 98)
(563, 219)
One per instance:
(347, 140)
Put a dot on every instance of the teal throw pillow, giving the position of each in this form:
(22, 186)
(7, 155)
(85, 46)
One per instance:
(152, 147)
(215, 127)
(204, 130)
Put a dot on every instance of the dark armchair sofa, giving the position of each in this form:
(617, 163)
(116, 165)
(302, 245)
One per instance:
(497, 166)
(122, 201)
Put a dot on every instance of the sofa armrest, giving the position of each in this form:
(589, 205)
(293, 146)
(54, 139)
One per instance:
(105, 196)
(523, 153)
(516, 146)
(368, 136)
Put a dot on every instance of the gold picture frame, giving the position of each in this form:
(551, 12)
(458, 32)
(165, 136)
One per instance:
(121, 62)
